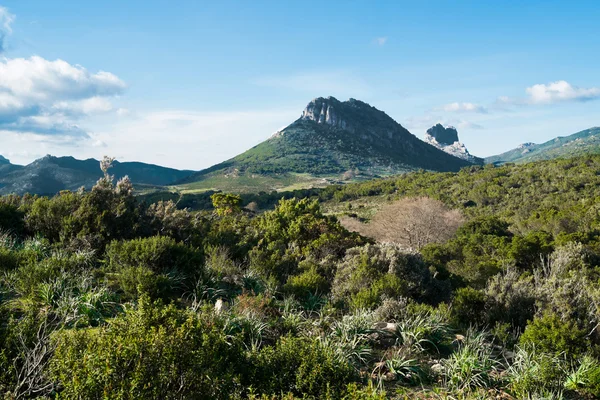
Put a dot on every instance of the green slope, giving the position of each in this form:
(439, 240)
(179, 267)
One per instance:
(331, 140)
(580, 143)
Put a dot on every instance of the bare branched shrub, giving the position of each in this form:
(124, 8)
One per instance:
(411, 223)
(32, 363)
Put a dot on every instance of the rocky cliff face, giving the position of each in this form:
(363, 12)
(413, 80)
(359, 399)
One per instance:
(443, 135)
(446, 139)
(323, 111)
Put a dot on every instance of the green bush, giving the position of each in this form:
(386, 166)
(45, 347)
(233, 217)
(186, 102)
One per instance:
(12, 220)
(549, 334)
(368, 274)
(300, 366)
(136, 281)
(151, 352)
(309, 282)
(469, 307)
(159, 254)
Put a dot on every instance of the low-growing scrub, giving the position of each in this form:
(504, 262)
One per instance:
(105, 297)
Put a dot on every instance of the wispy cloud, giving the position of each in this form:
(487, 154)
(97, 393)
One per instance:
(464, 107)
(6, 20)
(186, 138)
(380, 41)
(419, 124)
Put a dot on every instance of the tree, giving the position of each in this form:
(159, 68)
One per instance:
(226, 204)
(414, 222)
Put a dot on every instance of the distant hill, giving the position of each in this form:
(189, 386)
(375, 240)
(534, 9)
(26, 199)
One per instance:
(580, 143)
(331, 141)
(49, 175)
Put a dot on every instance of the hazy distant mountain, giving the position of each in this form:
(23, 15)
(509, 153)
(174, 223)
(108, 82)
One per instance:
(580, 143)
(330, 139)
(446, 139)
(49, 175)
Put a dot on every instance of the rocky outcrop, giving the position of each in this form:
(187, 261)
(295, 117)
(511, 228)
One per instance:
(446, 139)
(526, 147)
(323, 111)
(443, 135)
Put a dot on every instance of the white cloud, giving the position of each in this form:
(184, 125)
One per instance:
(464, 107)
(380, 41)
(39, 80)
(549, 93)
(560, 91)
(6, 20)
(93, 105)
(51, 97)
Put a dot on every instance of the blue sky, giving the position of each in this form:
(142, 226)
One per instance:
(190, 83)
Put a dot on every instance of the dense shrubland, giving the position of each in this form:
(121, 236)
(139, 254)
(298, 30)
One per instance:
(489, 289)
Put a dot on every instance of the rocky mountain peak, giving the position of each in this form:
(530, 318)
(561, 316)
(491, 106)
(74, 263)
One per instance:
(443, 135)
(325, 111)
(446, 139)
(4, 160)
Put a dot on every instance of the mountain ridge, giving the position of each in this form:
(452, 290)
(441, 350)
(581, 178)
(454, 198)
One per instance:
(49, 175)
(586, 141)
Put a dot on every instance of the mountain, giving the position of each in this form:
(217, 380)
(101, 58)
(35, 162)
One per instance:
(49, 175)
(580, 143)
(331, 140)
(446, 139)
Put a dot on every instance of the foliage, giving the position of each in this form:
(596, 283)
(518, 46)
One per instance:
(226, 204)
(287, 303)
(551, 335)
(370, 273)
(155, 352)
(302, 367)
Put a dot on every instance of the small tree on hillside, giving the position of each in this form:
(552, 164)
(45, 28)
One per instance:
(412, 222)
(415, 222)
(226, 204)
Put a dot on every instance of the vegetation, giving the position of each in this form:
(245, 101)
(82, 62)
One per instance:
(581, 143)
(497, 295)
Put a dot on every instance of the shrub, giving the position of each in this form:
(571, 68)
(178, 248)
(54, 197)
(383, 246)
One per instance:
(469, 307)
(136, 281)
(309, 282)
(301, 366)
(11, 219)
(159, 254)
(368, 274)
(511, 299)
(297, 230)
(150, 352)
(550, 334)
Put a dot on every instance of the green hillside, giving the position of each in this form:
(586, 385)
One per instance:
(580, 143)
(332, 141)
(50, 175)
